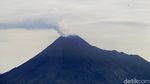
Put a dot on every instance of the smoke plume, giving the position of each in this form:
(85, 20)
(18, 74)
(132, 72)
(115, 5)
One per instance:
(33, 24)
(59, 31)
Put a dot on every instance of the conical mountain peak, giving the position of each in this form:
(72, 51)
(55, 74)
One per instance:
(71, 40)
(71, 60)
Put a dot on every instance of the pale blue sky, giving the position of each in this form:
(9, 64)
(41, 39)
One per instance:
(28, 26)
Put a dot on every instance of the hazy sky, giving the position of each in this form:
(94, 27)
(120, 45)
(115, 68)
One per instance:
(28, 26)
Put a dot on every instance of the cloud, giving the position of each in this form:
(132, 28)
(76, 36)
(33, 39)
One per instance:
(29, 24)
(32, 24)
(75, 11)
(124, 23)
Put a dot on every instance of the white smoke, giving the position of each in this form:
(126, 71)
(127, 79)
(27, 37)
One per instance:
(59, 31)
(62, 28)
(35, 24)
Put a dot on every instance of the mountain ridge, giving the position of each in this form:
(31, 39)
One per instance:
(71, 60)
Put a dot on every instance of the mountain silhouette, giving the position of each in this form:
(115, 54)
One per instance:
(71, 60)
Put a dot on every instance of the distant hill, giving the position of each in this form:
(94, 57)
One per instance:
(71, 60)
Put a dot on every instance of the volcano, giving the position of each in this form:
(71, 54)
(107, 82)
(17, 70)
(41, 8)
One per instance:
(71, 60)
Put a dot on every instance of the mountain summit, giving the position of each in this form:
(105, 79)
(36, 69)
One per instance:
(71, 60)
(70, 40)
